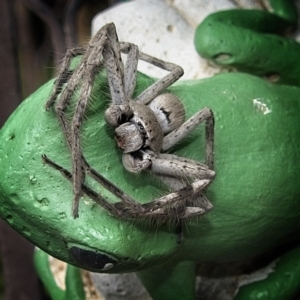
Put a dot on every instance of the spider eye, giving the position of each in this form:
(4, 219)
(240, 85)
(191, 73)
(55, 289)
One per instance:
(141, 128)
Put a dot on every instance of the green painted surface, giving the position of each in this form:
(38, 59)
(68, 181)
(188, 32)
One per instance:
(73, 280)
(247, 40)
(255, 194)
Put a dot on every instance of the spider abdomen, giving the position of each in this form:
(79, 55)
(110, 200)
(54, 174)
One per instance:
(169, 112)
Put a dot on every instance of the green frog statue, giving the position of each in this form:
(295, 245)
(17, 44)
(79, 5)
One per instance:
(255, 219)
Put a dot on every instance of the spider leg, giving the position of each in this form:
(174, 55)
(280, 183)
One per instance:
(131, 209)
(176, 183)
(121, 85)
(103, 45)
(130, 74)
(88, 191)
(173, 165)
(131, 71)
(172, 205)
(126, 199)
(177, 168)
(63, 74)
(91, 57)
(75, 79)
(157, 87)
(114, 66)
(60, 108)
(72, 132)
(113, 209)
(188, 126)
(78, 164)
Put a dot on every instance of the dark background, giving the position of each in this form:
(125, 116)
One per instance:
(34, 35)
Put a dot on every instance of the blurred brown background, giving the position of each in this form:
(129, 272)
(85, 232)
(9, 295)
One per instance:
(34, 36)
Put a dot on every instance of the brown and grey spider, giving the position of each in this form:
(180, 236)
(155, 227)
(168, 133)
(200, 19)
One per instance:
(144, 127)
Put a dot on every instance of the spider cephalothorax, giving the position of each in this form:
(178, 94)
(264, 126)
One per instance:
(142, 134)
(145, 127)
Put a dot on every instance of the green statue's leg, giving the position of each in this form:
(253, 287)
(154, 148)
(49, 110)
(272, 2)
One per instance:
(41, 261)
(170, 281)
(282, 284)
(285, 9)
(247, 41)
(74, 286)
(74, 289)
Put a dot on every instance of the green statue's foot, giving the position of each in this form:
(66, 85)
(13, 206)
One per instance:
(281, 284)
(247, 40)
(73, 286)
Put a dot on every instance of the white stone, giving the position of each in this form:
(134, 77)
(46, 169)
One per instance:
(165, 29)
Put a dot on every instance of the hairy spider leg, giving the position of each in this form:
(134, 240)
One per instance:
(157, 87)
(121, 84)
(174, 165)
(133, 56)
(160, 85)
(60, 106)
(125, 210)
(130, 73)
(78, 165)
(130, 208)
(114, 65)
(188, 126)
(83, 75)
(161, 206)
(96, 197)
(63, 74)
(105, 42)
(170, 168)
(179, 168)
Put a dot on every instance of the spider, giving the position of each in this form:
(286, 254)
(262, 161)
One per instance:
(144, 128)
